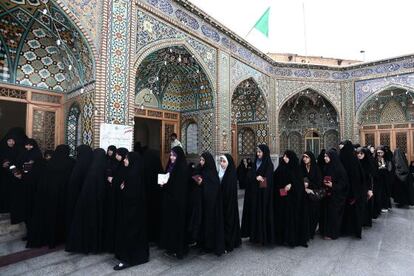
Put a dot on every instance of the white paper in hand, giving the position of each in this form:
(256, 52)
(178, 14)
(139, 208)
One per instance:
(163, 178)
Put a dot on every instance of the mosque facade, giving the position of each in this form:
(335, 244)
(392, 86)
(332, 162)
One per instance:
(164, 66)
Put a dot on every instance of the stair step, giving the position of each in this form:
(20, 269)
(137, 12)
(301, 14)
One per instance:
(8, 231)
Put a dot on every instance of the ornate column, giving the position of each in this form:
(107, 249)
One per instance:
(349, 129)
(223, 104)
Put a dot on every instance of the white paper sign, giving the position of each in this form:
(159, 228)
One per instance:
(163, 178)
(120, 136)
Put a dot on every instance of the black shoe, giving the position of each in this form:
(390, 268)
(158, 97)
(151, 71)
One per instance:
(120, 266)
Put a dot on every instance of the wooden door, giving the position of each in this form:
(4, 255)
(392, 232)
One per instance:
(44, 124)
(167, 128)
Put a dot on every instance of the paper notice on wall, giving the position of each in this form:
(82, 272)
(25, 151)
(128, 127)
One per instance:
(120, 136)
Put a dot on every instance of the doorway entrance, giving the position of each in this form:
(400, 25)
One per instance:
(156, 126)
(12, 114)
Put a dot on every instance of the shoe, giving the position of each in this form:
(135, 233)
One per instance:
(120, 266)
(384, 210)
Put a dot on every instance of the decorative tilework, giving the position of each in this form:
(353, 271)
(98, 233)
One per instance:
(348, 132)
(118, 52)
(151, 30)
(206, 129)
(89, 14)
(224, 104)
(35, 58)
(72, 126)
(248, 103)
(330, 90)
(4, 63)
(364, 89)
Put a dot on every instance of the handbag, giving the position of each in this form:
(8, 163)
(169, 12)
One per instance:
(263, 184)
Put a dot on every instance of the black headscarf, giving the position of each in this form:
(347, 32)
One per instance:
(113, 149)
(265, 160)
(314, 172)
(30, 155)
(122, 152)
(401, 165)
(353, 169)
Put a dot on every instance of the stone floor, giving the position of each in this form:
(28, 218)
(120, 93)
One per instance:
(386, 249)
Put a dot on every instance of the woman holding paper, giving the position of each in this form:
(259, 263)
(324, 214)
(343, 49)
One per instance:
(258, 208)
(174, 202)
(290, 222)
(212, 229)
(335, 182)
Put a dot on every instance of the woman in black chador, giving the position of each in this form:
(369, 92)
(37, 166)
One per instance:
(321, 160)
(116, 172)
(9, 152)
(24, 191)
(86, 232)
(381, 187)
(335, 182)
(83, 161)
(131, 244)
(289, 190)
(195, 205)
(369, 172)
(357, 192)
(242, 171)
(403, 190)
(258, 208)
(312, 179)
(174, 205)
(49, 214)
(212, 229)
(228, 180)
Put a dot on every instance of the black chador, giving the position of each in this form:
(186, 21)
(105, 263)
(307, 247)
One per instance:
(403, 190)
(335, 181)
(77, 178)
(289, 186)
(152, 167)
(357, 191)
(86, 232)
(312, 179)
(116, 171)
(382, 182)
(242, 171)
(258, 208)
(369, 171)
(131, 244)
(212, 229)
(174, 204)
(23, 193)
(228, 179)
(49, 217)
(195, 205)
(9, 152)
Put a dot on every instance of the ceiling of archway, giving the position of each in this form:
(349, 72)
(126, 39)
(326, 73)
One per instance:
(248, 103)
(393, 105)
(175, 77)
(308, 110)
(29, 50)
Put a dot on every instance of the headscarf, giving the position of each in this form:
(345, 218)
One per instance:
(30, 155)
(113, 149)
(180, 161)
(122, 152)
(222, 171)
(170, 164)
(401, 165)
(265, 161)
(209, 164)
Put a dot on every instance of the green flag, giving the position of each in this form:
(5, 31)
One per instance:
(262, 25)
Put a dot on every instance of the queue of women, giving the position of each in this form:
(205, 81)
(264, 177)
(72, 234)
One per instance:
(113, 201)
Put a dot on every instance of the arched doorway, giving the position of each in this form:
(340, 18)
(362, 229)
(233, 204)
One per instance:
(308, 121)
(172, 87)
(385, 119)
(43, 56)
(249, 119)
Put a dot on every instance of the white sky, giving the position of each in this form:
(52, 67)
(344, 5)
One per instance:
(334, 28)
